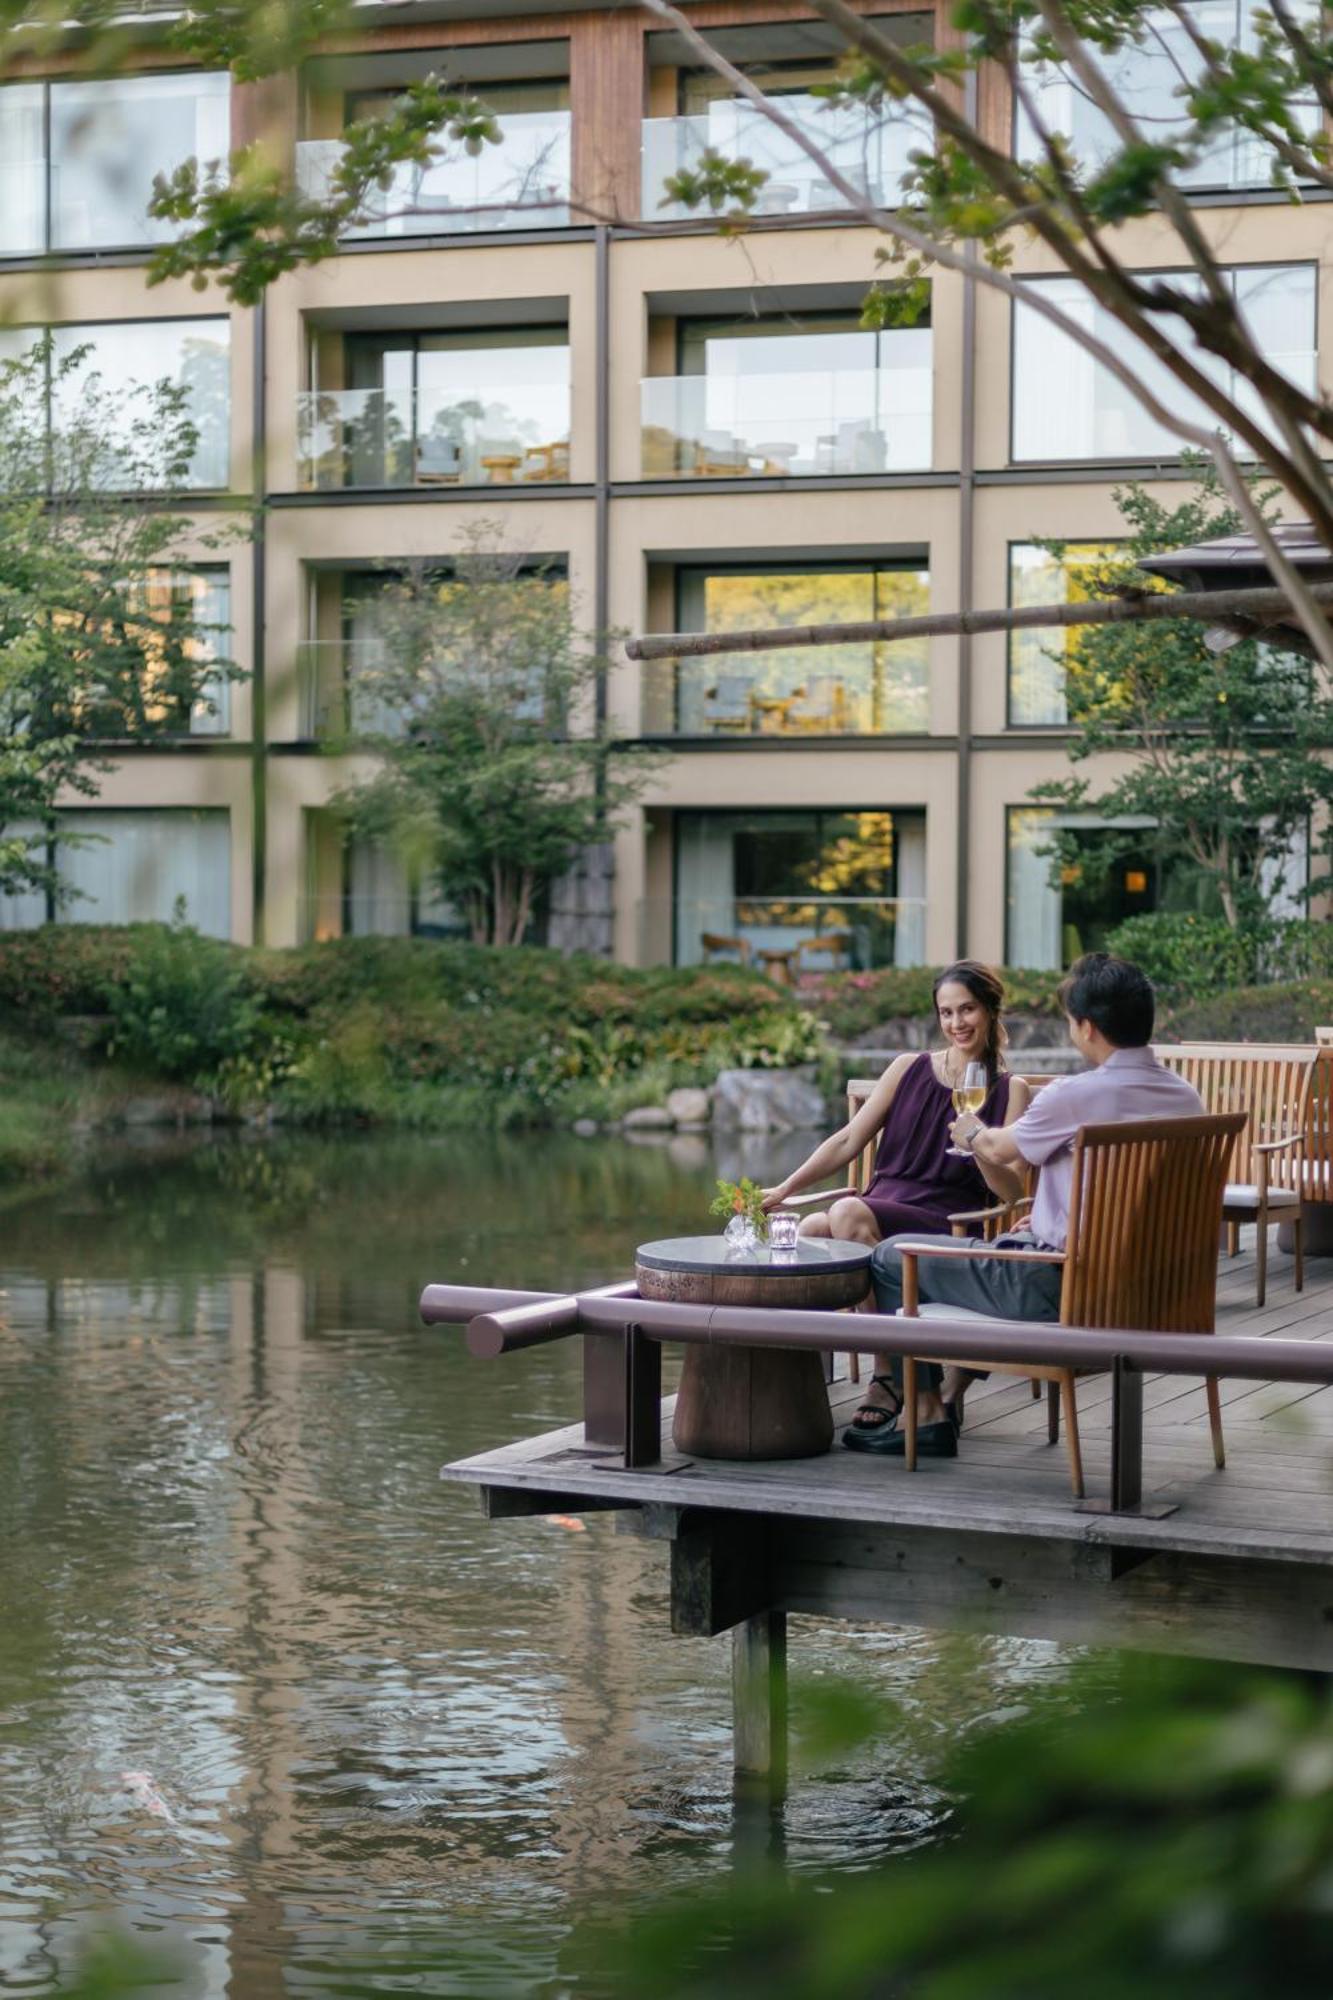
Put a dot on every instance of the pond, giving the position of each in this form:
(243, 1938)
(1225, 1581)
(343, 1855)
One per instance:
(274, 1695)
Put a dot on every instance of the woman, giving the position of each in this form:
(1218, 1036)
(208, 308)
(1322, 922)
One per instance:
(917, 1183)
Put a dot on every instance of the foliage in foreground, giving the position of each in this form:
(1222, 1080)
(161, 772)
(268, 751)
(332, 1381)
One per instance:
(1166, 1832)
(396, 1028)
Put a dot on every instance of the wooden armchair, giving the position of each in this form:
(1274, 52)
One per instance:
(1272, 1083)
(1144, 1212)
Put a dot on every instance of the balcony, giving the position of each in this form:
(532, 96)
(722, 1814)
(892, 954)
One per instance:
(794, 693)
(520, 183)
(868, 148)
(789, 939)
(503, 435)
(799, 424)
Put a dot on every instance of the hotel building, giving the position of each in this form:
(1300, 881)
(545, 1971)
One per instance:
(695, 429)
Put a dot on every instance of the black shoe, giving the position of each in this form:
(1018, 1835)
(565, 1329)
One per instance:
(932, 1441)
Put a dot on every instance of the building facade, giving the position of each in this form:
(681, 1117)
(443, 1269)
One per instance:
(696, 429)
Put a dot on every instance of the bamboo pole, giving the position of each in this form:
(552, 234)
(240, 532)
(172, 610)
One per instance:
(1256, 608)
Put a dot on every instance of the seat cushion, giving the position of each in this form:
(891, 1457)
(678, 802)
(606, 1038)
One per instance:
(1245, 1194)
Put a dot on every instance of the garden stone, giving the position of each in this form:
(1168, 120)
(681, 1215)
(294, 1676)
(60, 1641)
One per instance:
(585, 1128)
(648, 1118)
(767, 1100)
(688, 1106)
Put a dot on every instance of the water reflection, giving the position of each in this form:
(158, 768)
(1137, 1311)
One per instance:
(273, 1693)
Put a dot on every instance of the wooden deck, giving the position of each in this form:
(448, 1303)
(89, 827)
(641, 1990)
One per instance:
(1242, 1567)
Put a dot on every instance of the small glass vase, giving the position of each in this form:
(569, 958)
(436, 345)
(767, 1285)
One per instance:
(741, 1236)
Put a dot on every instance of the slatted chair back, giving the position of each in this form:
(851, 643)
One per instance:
(1271, 1082)
(1144, 1215)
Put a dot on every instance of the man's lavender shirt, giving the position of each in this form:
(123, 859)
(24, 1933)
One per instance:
(1129, 1084)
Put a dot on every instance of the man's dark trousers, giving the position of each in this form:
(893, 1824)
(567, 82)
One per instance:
(982, 1284)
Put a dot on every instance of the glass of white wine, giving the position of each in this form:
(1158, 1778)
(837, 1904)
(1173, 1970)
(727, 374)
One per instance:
(969, 1095)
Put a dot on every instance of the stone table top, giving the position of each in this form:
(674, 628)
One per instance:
(814, 1256)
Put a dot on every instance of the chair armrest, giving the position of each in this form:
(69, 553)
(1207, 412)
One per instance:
(1276, 1145)
(963, 1247)
(991, 1214)
(811, 1200)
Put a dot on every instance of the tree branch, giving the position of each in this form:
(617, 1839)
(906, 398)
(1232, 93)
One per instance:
(1250, 611)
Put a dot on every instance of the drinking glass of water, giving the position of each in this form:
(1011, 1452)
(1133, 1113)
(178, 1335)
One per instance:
(782, 1229)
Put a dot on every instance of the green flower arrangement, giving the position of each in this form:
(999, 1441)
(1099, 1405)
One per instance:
(744, 1198)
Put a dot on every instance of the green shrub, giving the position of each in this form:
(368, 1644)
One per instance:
(1286, 1012)
(401, 1028)
(185, 1005)
(1192, 957)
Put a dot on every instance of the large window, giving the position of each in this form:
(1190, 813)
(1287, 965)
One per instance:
(871, 688)
(1148, 76)
(1037, 659)
(88, 187)
(1071, 880)
(475, 407)
(126, 359)
(780, 396)
(801, 891)
(136, 867)
(1068, 407)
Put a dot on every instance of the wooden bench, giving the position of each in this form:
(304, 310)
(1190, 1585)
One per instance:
(1273, 1083)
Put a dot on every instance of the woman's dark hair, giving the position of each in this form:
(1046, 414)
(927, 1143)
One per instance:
(985, 986)
(1114, 995)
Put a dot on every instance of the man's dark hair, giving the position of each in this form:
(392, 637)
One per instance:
(1114, 995)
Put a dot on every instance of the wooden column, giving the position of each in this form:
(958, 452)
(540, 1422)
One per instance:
(759, 1702)
(606, 66)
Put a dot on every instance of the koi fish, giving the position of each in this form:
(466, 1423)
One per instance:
(142, 1788)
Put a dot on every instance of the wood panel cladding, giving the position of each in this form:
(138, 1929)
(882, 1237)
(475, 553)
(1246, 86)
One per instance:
(606, 90)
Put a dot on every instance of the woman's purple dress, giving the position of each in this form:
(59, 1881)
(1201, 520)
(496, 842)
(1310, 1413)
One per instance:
(917, 1183)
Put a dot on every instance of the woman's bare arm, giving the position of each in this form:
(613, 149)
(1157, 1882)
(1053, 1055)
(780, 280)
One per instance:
(842, 1148)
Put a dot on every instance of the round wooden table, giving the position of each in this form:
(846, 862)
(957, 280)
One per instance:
(753, 1402)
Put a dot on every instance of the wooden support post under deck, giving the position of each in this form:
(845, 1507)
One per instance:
(759, 1702)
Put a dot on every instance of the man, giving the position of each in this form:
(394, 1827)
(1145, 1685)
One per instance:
(1109, 1005)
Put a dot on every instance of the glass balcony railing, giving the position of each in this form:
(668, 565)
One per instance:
(497, 436)
(791, 425)
(520, 183)
(869, 148)
(795, 691)
(338, 694)
(790, 938)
